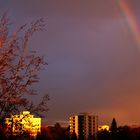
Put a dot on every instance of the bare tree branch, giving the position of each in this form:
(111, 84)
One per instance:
(19, 69)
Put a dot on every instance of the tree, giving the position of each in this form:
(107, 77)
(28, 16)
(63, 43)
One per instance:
(124, 132)
(19, 69)
(113, 129)
(113, 125)
(103, 135)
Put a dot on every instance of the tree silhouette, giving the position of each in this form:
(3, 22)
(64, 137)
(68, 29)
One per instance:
(113, 127)
(19, 69)
(103, 135)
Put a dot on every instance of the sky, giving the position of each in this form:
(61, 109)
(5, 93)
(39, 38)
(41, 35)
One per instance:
(93, 52)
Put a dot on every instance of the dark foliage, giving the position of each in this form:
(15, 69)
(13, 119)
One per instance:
(54, 133)
(19, 69)
(122, 133)
(113, 127)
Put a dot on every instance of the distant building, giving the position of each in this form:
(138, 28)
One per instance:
(103, 127)
(84, 125)
(24, 122)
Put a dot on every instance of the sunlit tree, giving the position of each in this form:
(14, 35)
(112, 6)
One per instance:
(19, 69)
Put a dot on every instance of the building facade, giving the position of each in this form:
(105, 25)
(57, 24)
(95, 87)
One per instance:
(84, 125)
(24, 122)
(103, 127)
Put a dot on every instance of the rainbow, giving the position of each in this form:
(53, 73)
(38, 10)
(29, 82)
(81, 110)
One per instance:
(131, 19)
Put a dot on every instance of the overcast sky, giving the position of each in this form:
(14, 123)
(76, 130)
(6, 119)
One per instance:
(94, 62)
